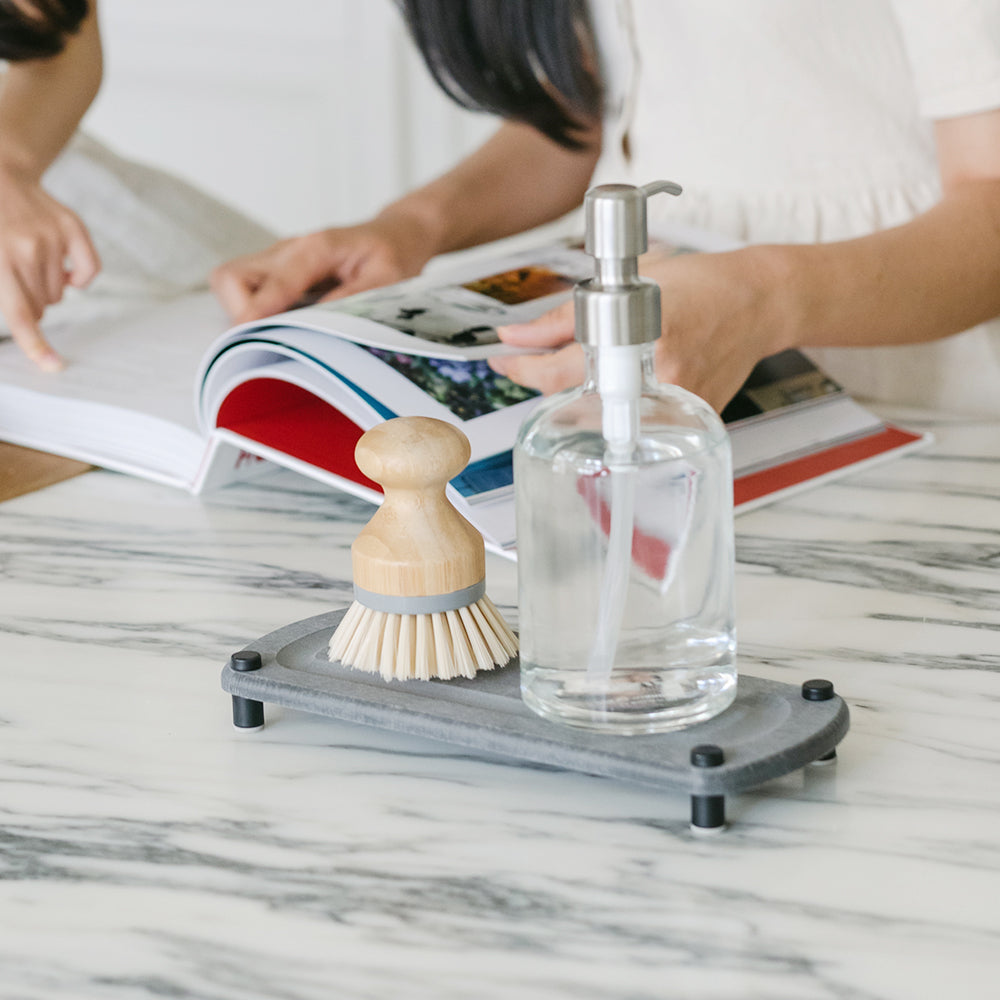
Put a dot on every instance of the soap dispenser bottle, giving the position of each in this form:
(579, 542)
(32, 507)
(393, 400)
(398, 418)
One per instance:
(624, 515)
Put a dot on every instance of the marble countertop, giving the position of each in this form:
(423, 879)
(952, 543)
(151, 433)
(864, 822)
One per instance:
(149, 850)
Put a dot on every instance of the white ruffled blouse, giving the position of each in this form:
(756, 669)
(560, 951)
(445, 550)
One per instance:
(805, 121)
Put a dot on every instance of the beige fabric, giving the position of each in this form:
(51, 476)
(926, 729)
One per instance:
(805, 121)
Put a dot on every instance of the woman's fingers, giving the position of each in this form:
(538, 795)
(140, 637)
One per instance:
(274, 292)
(43, 247)
(22, 313)
(550, 330)
(273, 280)
(234, 283)
(548, 373)
(80, 262)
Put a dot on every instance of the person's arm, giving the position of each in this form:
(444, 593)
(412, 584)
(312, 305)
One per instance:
(43, 245)
(517, 180)
(929, 278)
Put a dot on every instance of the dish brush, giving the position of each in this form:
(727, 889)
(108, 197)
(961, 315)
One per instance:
(420, 607)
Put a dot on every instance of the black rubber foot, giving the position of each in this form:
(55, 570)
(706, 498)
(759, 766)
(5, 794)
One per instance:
(247, 714)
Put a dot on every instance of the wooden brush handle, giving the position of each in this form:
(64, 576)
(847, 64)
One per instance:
(416, 544)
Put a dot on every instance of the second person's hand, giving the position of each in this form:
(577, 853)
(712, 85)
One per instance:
(325, 265)
(721, 313)
(43, 248)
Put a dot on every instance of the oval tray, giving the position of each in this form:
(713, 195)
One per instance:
(771, 729)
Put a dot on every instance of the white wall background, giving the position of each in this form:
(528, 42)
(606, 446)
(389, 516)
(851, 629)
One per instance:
(304, 113)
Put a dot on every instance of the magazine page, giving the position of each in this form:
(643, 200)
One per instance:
(124, 399)
(365, 385)
(452, 314)
(453, 310)
(370, 384)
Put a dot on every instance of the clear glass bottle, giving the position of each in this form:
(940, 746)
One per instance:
(624, 516)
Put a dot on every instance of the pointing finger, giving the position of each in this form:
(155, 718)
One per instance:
(22, 319)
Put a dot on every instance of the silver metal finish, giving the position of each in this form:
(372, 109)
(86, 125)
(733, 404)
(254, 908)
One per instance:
(617, 307)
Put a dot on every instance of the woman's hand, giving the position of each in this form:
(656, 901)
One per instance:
(516, 180)
(720, 316)
(43, 245)
(43, 248)
(320, 266)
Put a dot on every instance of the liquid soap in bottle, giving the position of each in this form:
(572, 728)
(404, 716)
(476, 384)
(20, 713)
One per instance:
(624, 515)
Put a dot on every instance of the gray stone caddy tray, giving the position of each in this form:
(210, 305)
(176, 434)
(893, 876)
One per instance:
(771, 729)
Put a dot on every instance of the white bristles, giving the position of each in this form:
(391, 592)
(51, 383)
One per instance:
(478, 649)
(496, 627)
(441, 652)
(423, 649)
(390, 645)
(418, 647)
(343, 633)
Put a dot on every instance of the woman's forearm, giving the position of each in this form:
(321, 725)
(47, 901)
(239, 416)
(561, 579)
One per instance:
(517, 180)
(63, 85)
(934, 276)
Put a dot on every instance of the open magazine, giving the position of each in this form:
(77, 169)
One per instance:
(298, 389)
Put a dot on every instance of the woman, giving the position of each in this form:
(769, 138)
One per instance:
(855, 145)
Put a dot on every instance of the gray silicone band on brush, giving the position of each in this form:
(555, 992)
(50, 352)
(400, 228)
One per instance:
(430, 605)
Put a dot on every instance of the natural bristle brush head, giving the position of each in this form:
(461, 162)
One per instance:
(420, 607)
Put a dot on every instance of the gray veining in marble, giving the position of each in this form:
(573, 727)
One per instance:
(147, 850)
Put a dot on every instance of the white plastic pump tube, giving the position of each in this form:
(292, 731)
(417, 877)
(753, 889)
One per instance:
(619, 383)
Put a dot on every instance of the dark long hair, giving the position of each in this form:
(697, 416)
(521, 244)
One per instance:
(528, 60)
(42, 32)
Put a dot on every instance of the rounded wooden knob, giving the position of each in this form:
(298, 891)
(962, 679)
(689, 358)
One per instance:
(412, 453)
(416, 544)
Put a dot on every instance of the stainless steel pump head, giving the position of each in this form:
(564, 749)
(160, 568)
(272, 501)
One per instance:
(616, 307)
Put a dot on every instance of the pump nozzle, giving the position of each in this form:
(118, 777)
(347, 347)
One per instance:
(615, 219)
(617, 307)
(660, 187)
